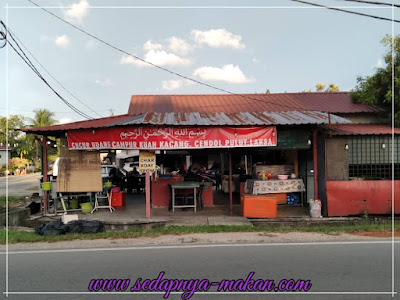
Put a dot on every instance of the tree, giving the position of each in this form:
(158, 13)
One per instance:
(14, 122)
(321, 87)
(43, 117)
(377, 89)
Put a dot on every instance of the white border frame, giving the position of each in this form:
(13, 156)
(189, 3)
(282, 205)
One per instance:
(393, 292)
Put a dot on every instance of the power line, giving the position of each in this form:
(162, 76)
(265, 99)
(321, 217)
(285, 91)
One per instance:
(56, 112)
(12, 34)
(26, 59)
(373, 2)
(155, 65)
(346, 11)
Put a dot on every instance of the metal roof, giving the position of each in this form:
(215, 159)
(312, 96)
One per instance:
(339, 102)
(199, 119)
(87, 124)
(362, 129)
(233, 119)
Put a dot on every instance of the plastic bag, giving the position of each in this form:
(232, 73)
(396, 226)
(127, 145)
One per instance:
(52, 228)
(315, 208)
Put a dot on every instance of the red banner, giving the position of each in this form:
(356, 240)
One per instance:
(164, 138)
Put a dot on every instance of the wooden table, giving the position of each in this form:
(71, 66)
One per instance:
(188, 185)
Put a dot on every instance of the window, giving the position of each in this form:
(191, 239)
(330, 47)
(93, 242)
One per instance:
(370, 157)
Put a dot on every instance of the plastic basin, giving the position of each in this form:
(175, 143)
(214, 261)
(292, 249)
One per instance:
(46, 186)
(86, 207)
(107, 184)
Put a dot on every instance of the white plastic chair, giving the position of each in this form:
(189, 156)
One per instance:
(101, 195)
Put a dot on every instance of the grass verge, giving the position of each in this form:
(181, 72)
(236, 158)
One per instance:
(12, 200)
(15, 236)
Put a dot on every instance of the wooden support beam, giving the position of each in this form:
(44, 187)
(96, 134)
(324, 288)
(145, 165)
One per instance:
(44, 173)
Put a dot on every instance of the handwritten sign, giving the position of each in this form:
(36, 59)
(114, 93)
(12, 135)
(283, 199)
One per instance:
(147, 161)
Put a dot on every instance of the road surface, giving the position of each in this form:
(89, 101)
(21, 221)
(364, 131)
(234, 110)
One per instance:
(352, 266)
(20, 185)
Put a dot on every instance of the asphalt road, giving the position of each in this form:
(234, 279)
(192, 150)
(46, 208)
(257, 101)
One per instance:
(331, 267)
(21, 185)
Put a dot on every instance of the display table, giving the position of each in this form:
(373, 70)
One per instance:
(272, 186)
(188, 185)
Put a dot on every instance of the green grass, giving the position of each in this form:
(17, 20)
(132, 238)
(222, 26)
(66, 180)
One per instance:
(15, 236)
(11, 200)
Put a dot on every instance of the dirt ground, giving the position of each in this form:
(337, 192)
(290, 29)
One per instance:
(379, 234)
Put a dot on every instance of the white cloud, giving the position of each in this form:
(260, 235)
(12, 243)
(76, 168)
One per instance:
(62, 41)
(160, 58)
(77, 11)
(255, 60)
(228, 73)
(218, 38)
(65, 120)
(179, 46)
(170, 85)
(106, 82)
(149, 45)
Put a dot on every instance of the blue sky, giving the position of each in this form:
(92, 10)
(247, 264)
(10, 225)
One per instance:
(282, 48)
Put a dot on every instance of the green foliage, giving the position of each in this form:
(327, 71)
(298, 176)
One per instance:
(377, 89)
(14, 122)
(18, 163)
(321, 87)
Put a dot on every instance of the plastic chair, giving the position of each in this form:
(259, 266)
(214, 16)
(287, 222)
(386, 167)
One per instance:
(101, 195)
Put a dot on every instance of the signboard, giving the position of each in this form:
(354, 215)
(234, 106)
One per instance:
(147, 161)
(165, 138)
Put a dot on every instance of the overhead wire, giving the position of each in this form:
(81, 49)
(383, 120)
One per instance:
(26, 59)
(14, 37)
(158, 66)
(346, 11)
(373, 2)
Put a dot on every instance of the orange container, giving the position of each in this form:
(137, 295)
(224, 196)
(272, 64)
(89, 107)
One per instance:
(259, 206)
(118, 199)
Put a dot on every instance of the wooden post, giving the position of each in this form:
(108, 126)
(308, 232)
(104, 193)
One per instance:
(230, 184)
(44, 171)
(315, 157)
(147, 195)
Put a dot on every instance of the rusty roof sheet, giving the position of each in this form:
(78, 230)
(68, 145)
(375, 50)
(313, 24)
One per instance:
(198, 119)
(362, 129)
(95, 123)
(233, 119)
(339, 102)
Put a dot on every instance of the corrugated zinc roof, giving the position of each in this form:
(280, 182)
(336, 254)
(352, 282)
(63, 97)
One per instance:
(199, 119)
(95, 123)
(362, 129)
(339, 102)
(233, 119)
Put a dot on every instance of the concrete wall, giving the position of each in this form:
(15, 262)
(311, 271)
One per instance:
(3, 154)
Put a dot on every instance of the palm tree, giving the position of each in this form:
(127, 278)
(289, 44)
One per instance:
(43, 117)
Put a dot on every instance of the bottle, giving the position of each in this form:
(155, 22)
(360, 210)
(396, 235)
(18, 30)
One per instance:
(263, 176)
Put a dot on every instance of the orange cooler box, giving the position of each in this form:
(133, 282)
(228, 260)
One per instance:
(118, 199)
(259, 206)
